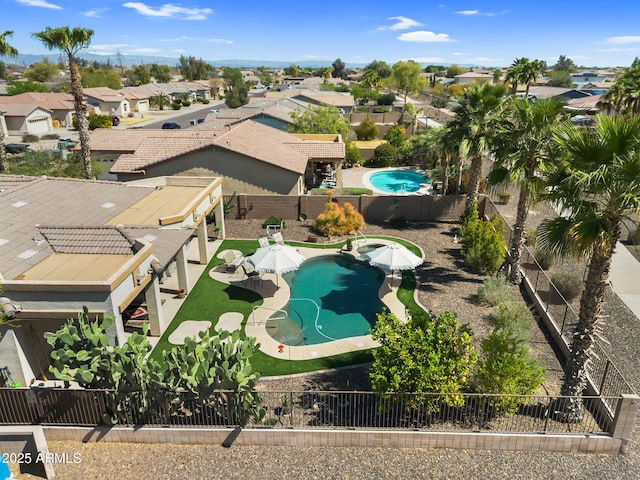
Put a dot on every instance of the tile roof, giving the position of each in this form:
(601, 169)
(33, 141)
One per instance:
(106, 240)
(320, 149)
(21, 110)
(50, 100)
(142, 148)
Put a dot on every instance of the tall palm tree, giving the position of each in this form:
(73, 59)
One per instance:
(71, 41)
(5, 49)
(476, 116)
(524, 152)
(514, 75)
(598, 186)
(160, 100)
(530, 72)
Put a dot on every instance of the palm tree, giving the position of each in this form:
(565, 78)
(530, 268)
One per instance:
(514, 75)
(472, 127)
(370, 79)
(524, 152)
(71, 42)
(5, 49)
(160, 100)
(597, 187)
(530, 72)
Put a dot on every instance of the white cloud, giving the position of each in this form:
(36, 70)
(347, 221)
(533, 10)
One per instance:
(170, 10)
(106, 49)
(478, 12)
(423, 36)
(95, 13)
(468, 12)
(425, 59)
(402, 23)
(40, 3)
(616, 49)
(623, 39)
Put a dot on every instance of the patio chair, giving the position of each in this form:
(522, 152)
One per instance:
(263, 241)
(275, 227)
(232, 260)
(252, 275)
(277, 237)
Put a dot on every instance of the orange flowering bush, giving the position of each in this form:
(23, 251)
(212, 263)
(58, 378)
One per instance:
(337, 220)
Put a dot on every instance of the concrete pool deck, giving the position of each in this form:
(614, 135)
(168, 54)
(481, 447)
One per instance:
(276, 293)
(358, 177)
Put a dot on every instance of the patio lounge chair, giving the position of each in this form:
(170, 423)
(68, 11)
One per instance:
(277, 237)
(263, 241)
(275, 227)
(232, 260)
(252, 275)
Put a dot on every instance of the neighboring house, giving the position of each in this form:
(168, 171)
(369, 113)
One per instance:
(67, 243)
(197, 90)
(139, 100)
(597, 88)
(60, 105)
(588, 105)
(470, 77)
(31, 119)
(249, 156)
(590, 76)
(106, 101)
(561, 93)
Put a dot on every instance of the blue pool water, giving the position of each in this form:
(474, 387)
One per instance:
(397, 181)
(346, 292)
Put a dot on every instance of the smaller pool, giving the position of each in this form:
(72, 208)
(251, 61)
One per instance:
(397, 181)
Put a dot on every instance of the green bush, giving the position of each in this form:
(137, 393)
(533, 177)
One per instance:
(504, 197)
(545, 258)
(384, 155)
(569, 286)
(634, 236)
(176, 105)
(361, 109)
(399, 222)
(367, 130)
(387, 99)
(483, 244)
(379, 109)
(206, 101)
(507, 367)
(352, 154)
(274, 220)
(516, 315)
(30, 138)
(50, 136)
(495, 290)
(531, 237)
(185, 103)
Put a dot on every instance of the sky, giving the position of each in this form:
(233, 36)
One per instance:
(482, 33)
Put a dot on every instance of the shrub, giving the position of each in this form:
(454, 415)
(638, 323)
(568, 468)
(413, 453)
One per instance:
(30, 138)
(176, 105)
(367, 130)
(483, 244)
(352, 154)
(337, 220)
(206, 101)
(387, 99)
(515, 315)
(273, 220)
(361, 109)
(399, 222)
(495, 290)
(507, 367)
(186, 103)
(634, 236)
(531, 237)
(379, 109)
(545, 258)
(384, 155)
(568, 285)
(50, 136)
(504, 197)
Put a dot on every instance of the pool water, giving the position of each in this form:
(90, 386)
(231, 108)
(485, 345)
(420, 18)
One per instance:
(397, 181)
(346, 292)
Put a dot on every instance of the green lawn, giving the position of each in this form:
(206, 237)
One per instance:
(209, 299)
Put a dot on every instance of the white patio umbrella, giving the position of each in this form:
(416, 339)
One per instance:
(276, 259)
(394, 257)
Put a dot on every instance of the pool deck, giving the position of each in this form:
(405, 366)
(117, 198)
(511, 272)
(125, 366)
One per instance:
(358, 177)
(276, 293)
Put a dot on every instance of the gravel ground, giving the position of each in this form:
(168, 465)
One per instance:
(443, 286)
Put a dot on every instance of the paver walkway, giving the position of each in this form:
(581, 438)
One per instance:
(624, 278)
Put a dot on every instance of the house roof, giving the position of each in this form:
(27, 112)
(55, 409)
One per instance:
(51, 101)
(20, 110)
(143, 148)
(584, 103)
(547, 92)
(104, 94)
(48, 217)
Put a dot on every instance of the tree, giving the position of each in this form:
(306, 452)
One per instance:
(473, 126)
(339, 70)
(325, 73)
(193, 69)
(524, 152)
(162, 73)
(565, 64)
(483, 244)
(320, 120)
(99, 77)
(352, 155)
(139, 75)
(516, 72)
(407, 76)
(426, 354)
(337, 220)
(596, 186)
(292, 70)
(160, 100)
(384, 155)
(396, 136)
(367, 130)
(236, 89)
(70, 42)
(42, 71)
(5, 49)
(560, 78)
(453, 70)
(382, 69)
(17, 88)
(624, 96)
(370, 80)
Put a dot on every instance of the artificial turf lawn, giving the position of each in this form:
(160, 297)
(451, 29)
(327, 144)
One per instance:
(209, 299)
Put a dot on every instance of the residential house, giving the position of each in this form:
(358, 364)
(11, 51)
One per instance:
(66, 244)
(564, 94)
(139, 100)
(249, 156)
(32, 119)
(106, 101)
(470, 77)
(60, 105)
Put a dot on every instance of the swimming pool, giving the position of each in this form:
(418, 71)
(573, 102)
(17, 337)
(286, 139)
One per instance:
(344, 290)
(397, 181)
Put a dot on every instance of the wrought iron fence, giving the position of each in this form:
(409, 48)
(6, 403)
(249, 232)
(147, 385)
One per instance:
(605, 376)
(308, 409)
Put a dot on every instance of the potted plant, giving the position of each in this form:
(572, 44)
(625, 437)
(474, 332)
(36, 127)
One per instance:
(349, 244)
